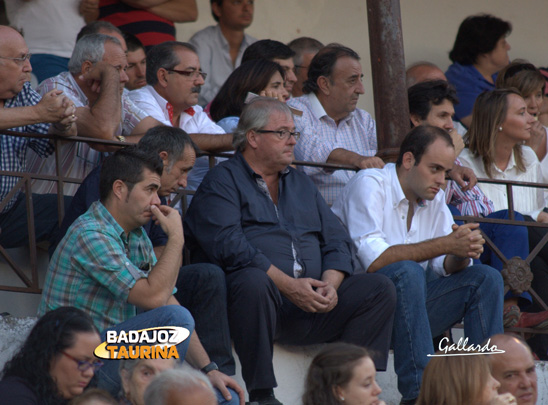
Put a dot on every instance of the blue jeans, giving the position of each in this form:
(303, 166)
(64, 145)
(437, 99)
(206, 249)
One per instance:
(108, 377)
(428, 306)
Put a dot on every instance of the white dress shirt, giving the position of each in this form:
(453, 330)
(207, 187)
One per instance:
(374, 209)
(527, 200)
(155, 105)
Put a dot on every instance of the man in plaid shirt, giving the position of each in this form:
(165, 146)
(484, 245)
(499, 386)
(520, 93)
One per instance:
(23, 110)
(106, 266)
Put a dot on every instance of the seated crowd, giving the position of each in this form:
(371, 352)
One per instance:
(366, 260)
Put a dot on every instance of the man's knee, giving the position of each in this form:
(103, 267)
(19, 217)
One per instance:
(405, 272)
(202, 276)
(174, 315)
(487, 275)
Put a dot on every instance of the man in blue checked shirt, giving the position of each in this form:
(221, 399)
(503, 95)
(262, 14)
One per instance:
(23, 110)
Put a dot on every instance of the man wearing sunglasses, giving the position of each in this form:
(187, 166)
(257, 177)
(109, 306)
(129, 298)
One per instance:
(174, 82)
(286, 256)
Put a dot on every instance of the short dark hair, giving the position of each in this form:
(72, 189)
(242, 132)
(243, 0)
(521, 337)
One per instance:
(267, 49)
(163, 56)
(419, 139)
(304, 44)
(96, 26)
(133, 43)
(127, 164)
(53, 333)
(172, 140)
(477, 35)
(323, 62)
(422, 96)
(252, 76)
(219, 3)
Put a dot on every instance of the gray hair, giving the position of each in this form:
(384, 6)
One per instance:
(90, 48)
(256, 115)
(172, 140)
(163, 56)
(304, 45)
(181, 379)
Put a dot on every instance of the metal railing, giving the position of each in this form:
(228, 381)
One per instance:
(32, 284)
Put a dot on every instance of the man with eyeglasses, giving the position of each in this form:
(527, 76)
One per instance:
(23, 110)
(220, 47)
(286, 257)
(174, 82)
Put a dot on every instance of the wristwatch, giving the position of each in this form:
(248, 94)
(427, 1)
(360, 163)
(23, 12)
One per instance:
(210, 367)
(121, 138)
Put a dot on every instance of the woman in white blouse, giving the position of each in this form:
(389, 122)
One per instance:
(527, 79)
(500, 127)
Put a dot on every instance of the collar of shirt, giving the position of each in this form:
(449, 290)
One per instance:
(167, 108)
(510, 166)
(221, 38)
(319, 112)
(398, 197)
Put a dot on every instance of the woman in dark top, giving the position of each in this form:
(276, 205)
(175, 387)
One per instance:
(56, 361)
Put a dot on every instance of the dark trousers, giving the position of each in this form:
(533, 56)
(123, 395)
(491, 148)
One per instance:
(201, 288)
(14, 224)
(260, 315)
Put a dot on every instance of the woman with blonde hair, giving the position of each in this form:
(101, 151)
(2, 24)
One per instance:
(529, 81)
(459, 379)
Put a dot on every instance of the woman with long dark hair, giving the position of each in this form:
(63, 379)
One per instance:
(56, 361)
(262, 77)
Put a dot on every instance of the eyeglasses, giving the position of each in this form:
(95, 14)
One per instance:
(84, 365)
(283, 134)
(19, 61)
(191, 74)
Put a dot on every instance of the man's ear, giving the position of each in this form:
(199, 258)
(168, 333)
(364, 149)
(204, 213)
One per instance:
(408, 160)
(161, 75)
(165, 157)
(324, 85)
(86, 67)
(215, 9)
(119, 188)
(415, 120)
(251, 139)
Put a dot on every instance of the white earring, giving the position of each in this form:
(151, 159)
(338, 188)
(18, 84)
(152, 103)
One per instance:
(341, 398)
(500, 129)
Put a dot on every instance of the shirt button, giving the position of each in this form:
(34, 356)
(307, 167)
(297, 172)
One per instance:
(402, 217)
(127, 263)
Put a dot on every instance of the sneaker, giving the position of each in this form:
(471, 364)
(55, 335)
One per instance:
(536, 320)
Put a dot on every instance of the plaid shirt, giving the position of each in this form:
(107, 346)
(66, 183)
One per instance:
(95, 266)
(13, 150)
(320, 135)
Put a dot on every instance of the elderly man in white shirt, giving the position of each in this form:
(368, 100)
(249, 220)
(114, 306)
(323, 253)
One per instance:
(402, 228)
(174, 82)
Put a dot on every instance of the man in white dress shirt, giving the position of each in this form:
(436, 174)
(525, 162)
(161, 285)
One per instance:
(402, 228)
(174, 81)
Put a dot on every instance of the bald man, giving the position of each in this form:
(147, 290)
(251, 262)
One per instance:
(515, 369)
(423, 72)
